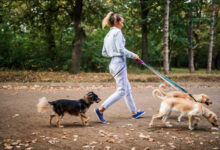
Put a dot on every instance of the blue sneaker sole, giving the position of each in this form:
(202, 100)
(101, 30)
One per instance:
(138, 116)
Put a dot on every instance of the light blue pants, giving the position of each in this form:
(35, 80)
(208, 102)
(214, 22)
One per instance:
(122, 84)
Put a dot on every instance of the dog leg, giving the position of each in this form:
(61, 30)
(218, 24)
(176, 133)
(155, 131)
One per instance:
(166, 123)
(191, 118)
(180, 117)
(154, 117)
(196, 121)
(84, 119)
(51, 117)
(58, 122)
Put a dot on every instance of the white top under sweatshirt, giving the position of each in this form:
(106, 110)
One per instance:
(114, 44)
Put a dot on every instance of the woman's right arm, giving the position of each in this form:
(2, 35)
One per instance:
(120, 47)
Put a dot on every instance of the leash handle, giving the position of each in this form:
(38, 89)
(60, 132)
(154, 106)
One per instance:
(170, 82)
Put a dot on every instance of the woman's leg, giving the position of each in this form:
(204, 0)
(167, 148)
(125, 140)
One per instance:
(129, 99)
(119, 93)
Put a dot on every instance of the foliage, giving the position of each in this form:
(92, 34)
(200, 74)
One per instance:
(38, 35)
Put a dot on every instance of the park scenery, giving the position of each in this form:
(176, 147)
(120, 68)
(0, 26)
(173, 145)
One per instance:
(53, 49)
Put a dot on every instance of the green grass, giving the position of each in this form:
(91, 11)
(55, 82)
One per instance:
(173, 71)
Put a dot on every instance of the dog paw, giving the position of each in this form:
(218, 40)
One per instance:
(168, 124)
(61, 126)
(150, 125)
(191, 128)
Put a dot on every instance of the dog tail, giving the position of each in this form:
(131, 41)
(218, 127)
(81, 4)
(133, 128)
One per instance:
(43, 104)
(161, 88)
(158, 94)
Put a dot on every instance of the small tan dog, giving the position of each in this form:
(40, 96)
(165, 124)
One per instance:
(190, 108)
(202, 98)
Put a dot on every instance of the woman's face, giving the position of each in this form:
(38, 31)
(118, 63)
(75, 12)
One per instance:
(119, 24)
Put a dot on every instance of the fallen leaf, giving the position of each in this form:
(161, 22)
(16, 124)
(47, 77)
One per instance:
(75, 139)
(86, 146)
(34, 141)
(110, 140)
(151, 139)
(7, 140)
(133, 148)
(214, 128)
(93, 143)
(53, 141)
(215, 133)
(107, 147)
(7, 146)
(14, 143)
(64, 137)
(141, 135)
(15, 115)
(18, 147)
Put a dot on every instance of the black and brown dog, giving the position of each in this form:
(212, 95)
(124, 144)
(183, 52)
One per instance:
(73, 107)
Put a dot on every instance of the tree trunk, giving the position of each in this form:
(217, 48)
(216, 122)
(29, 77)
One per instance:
(190, 38)
(76, 50)
(144, 13)
(166, 34)
(209, 68)
(79, 37)
(50, 39)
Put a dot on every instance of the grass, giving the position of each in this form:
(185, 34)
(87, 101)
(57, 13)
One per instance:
(137, 70)
(138, 75)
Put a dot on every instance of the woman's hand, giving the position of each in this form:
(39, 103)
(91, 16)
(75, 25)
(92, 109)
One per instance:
(136, 57)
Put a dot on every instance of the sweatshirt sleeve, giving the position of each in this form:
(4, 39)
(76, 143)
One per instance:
(120, 46)
(104, 52)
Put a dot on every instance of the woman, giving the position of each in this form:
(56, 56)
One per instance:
(114, 47)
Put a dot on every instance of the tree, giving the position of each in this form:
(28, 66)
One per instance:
(209, 66)
(75, 14)
(166, 34)
(144, 14)
(190, 38)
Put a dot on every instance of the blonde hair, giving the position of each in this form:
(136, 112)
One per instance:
(105, 21)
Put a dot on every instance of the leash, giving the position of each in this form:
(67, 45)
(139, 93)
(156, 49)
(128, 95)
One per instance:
(167, 80)
(119, 71)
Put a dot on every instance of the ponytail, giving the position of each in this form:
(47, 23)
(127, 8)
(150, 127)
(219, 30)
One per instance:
(110, 19)
(105, 21)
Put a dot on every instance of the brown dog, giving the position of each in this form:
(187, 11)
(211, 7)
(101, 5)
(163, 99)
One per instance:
(190, 108)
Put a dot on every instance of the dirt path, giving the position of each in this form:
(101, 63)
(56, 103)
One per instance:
(21, 127)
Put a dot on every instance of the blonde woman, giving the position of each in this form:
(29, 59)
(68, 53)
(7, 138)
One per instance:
(114, 47)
